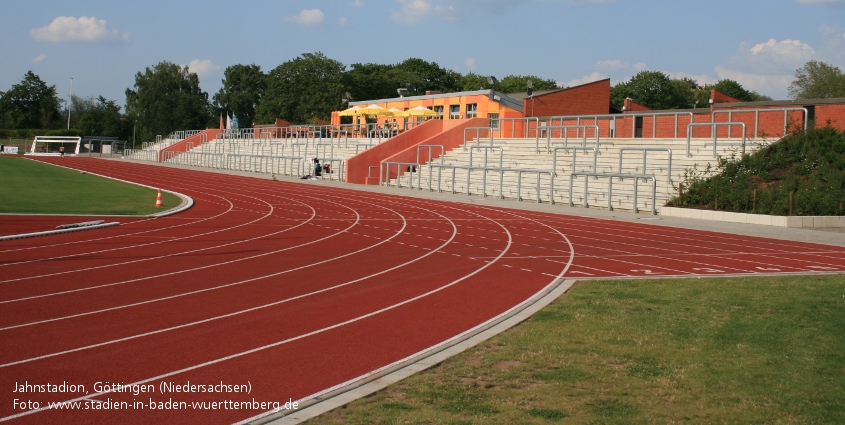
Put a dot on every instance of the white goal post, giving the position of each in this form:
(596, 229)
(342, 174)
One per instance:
(49, 145)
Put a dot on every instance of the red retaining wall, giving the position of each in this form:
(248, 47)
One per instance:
(195, 140)
(450, 138)
(357, 167)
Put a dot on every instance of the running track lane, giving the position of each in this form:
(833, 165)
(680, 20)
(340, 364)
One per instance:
(294, 288)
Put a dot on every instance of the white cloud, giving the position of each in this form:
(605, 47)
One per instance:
(701, 79)
(40, 58)
(470, 63)
(203, 67)
(415, 11)
(784, 52)
(84, 28)
(357, 3)
(771, 57)
(342, 20)
(767, 68)
(594, 76)
(773, 85)
(308, 17)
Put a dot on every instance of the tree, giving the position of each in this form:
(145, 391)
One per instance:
(732, 89)
(653, 89)
(473, 81)
(303, 89)
(422, 76)
(374, 81)
(243, 87)
(519, 83)
(686, 90)
(509, 84)
(167, 98)
(29, 104)
(99, 117)
(817, 80)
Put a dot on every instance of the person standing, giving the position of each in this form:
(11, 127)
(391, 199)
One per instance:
(62, 150)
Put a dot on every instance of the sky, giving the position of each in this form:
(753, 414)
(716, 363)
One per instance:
(95, 47)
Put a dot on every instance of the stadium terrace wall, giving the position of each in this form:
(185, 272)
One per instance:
(634, 121)
(591, 98)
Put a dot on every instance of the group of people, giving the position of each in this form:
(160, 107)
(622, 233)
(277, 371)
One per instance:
(319, 169)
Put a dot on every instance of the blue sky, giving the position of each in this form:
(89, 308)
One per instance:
(102, 44)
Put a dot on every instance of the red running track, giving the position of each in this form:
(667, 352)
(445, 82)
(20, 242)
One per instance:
(288, 289)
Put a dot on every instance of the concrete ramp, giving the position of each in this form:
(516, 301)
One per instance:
(188, 143)
(366, 167)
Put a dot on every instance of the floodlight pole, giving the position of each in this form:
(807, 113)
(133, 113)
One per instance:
(70, 103)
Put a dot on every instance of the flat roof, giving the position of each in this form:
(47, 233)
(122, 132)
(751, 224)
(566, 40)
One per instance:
(795, 102)
(501, 98)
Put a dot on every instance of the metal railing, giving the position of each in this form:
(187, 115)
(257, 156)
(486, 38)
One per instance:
(574, 150)
(496, 126)
(610, 177)
(518, 171)
(612, 118)
(645, 152)
(487, 150)
(477, 135)
(412, 167)
(549, 129)
(757, 117)
(714, 133)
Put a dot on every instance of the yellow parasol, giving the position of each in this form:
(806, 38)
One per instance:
(421, 111)
(376, 110)
(351, 112)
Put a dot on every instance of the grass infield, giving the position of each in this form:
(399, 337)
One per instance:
(32, 187)
(767, 350)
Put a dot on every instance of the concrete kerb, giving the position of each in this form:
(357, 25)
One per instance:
(360, 387)
(58, 231)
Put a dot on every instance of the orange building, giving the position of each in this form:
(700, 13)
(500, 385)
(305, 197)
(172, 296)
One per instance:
(448, 106)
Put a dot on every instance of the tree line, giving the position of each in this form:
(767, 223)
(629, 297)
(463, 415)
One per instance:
(167, 97)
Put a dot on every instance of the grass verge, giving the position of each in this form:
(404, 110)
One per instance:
(732, 350)
(31, 187)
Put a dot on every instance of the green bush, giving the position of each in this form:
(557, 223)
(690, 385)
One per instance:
(810, 165)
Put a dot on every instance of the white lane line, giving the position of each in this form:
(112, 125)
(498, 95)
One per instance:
(204, 289)
(268, 214)
(279, 343)
(249, 309)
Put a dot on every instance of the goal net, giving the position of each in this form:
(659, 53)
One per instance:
(52, 145)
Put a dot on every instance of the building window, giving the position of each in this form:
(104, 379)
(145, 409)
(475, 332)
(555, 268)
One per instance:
(454, 112)
(472, 110)
(439, 110)
(494, 121)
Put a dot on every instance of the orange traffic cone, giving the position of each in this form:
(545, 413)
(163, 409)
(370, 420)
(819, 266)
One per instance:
(159, 203)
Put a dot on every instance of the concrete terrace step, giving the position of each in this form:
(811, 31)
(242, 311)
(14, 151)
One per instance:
(522, 154)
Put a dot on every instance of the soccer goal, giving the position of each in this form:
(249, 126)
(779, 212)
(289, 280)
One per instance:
(52, 145)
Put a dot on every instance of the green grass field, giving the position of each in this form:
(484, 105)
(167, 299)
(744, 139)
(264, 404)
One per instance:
(768, 350)
(31, 187)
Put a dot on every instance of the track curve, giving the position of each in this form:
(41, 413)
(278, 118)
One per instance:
(290, 288)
